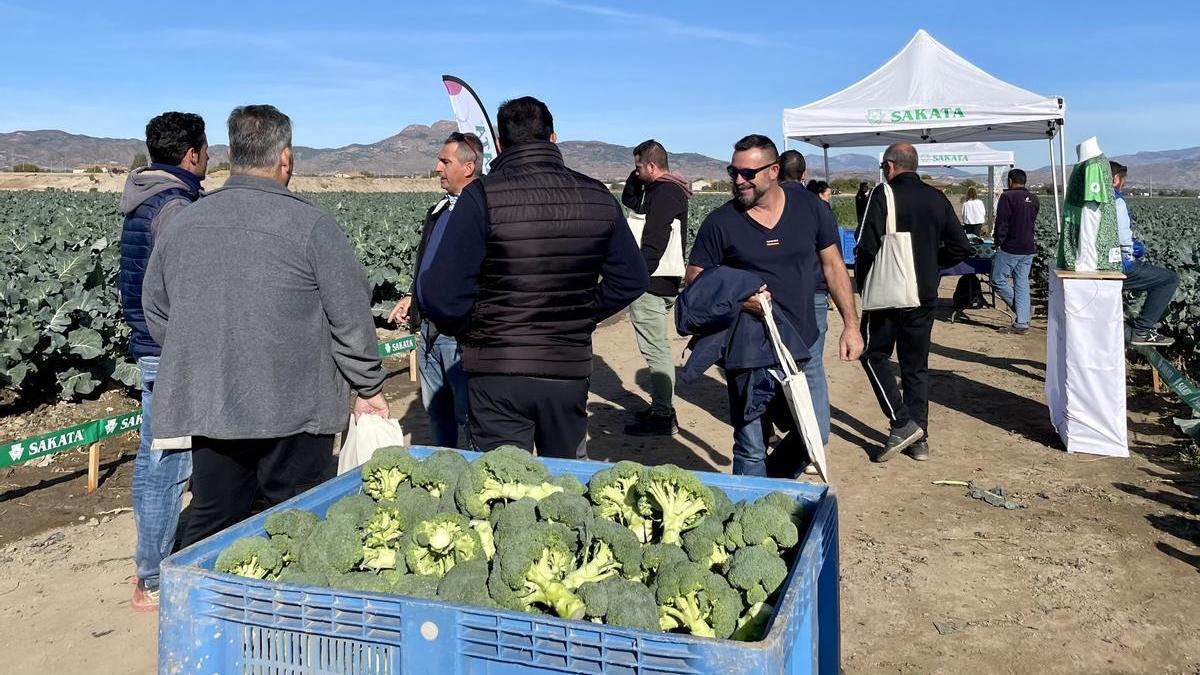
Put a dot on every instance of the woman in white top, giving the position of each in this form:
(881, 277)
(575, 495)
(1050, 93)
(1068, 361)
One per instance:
(973, 213)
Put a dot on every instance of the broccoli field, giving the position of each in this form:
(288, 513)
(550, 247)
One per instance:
(644, 547)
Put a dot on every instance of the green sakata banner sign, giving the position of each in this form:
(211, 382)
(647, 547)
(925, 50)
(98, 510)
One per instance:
(1175, 380)
(26, 449)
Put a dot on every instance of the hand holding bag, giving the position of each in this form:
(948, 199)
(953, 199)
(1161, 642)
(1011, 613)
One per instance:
(364, 436)
(892, 281)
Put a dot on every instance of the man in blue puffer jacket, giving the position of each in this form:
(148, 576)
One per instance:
(153, 195)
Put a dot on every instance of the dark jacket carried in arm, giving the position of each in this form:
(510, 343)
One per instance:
(431, 218)
(532, 258)
(1015, 218)
(938, 239)
(661, 202)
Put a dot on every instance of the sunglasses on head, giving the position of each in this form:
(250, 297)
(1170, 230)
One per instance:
(746, 174)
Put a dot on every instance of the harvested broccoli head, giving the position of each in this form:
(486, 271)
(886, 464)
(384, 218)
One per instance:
(366, 582)
(354, 510)
(610, 549)
(612, 493)
(796, 509)
(573, 511)
(386, 471)
(692, 599)
(467, 582)
(298, 577)
(756, 571)
(722, 507)
(507, 473)
(437, 544)
(440, 472)
(487, 537)
(570, 484)
(674, 499)
(254, 557)
(620, 602)
(512, 517)
(758, 523)
(657, 556)
(706, 543)
(529, 568)
(332, 548)
(752, 625)
(381, 540)
(288, 529)
(411, 506)
(416, 585)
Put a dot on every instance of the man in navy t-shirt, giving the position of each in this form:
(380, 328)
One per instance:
(780, 235)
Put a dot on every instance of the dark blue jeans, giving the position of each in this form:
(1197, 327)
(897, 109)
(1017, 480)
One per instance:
(1158, 283)
(443, 389)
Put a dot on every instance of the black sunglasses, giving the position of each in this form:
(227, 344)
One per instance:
(883, 165)
(746, 174)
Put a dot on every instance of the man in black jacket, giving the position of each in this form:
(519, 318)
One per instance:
(534, 256)
(938, 241)
(1014, 235)
(439, 359)
(659, 201)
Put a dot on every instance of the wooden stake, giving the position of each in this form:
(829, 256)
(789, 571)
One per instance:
(93, 480)
(412, 366)
(1154, 378)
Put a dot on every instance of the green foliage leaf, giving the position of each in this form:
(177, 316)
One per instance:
(86, 342)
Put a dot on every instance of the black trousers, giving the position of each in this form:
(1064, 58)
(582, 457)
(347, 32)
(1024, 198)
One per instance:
(905, 331)
(227, 476)
(529, 412)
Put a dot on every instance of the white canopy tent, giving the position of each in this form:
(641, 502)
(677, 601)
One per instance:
(966, 154)
(928, 94)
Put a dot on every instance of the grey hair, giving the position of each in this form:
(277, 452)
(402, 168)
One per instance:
(257, 135)
(903, 155)
(468, 148)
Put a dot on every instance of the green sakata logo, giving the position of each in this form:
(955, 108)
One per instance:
(880, 116)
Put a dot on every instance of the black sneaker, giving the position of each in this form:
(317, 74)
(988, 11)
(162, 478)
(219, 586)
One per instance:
(918, 451)
(899, 439)
(1015, 330)
(1150, 338)
(654, 425)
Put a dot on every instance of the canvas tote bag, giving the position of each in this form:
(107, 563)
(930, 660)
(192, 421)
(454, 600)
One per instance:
(795, 389)
(671, 263)
(364, 436)
(892, 281)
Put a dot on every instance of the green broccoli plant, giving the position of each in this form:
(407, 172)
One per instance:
(466, 582)
(363, 582)
(507, 473)
(569, 510)
(253, 557)
(756, 571)
(381, 540)
(694, 600)
(612, 550)
(620, 602)
(611, 491)
(487, 537)
(760, 522)
(354, 510)
(439, 473)
(706, 543)
(288, 528)
(292, 574)
(674, 499)
(656, 557)
(386, 471)
(752, 626)
(529, 568)
(512, 517)
(437, 544)
(415, 585)
(796, 509)
(333, 548)
(411, 506)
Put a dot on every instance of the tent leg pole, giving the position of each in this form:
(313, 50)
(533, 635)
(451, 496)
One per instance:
(991, 198)
(1062, 156)
(825, 150)
(1054, 179)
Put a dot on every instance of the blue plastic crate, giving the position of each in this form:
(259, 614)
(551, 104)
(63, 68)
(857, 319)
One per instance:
(216, 623)
(848, 244)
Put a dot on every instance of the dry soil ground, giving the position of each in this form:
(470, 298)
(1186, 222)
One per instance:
(1096, 573)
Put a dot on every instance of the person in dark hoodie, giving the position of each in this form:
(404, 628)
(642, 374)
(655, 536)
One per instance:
(658, 198)
(1014, 236)
(534, 256)
(153, 195)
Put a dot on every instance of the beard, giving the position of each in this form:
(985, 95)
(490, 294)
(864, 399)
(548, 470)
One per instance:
(748, 198)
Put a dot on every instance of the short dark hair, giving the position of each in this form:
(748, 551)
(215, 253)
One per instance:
(170, 135)
(652, 151)
(817, 186)
(1017, 176)
(523, 120)
(1117, 168)
(758, 141)
(468, 149)
(903, 155)
(257, 134)
(792, 165)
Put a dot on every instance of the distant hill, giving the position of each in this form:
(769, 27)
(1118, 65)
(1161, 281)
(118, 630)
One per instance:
(1160, 168)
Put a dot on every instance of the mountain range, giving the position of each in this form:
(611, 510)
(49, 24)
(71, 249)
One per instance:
(413, 152)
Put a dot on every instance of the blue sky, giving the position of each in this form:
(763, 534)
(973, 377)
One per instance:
(695, 75)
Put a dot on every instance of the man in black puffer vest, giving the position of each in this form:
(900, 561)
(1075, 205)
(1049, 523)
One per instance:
(153, 195)
(534, 256)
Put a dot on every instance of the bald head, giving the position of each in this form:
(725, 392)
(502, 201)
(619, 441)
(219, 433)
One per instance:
(902, 155)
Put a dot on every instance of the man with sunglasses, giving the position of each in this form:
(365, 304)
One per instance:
(938, 241)
(778, 233)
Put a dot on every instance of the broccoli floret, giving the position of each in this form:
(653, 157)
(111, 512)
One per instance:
(435, 545)
(795, 508)
(381, 540)
(387, 469)
(411, 506)
(573, 511)
(507, 519)
(487, 537)
(706, 543)
(355, 510)
(658, 556)
(611, 549)
(416, 585)
(620, 602)
(367, 582)
(332, 548)
(528, 571)
(288, 529)
(507, 473)
(439, 473)
(722, 507)
(298, 577)
(612, 493)
(570, 484)
(253, 557)
(695, 600)
(674, 499)
(467, 582)
(757, 571)
(757, 523)
(752, 625)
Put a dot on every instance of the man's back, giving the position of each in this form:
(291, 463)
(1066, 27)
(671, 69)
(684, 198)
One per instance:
(1015, 218)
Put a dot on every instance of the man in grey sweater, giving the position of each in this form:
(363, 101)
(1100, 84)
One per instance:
(263, 313)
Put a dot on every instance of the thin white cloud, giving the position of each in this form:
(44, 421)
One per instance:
(662, 24)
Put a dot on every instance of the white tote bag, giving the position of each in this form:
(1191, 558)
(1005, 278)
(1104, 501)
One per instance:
(795, 389)
(671, 263)
(892, 281)
(364, 436)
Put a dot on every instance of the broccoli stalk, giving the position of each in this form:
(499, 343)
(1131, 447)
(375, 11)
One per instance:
(694, 599)
(752, 625)
(612, 550)
(505, 474)
(440, 542)
(253, 557)
(674, 498)
(529, 569)
(380, 540)
(386, 471)
(611, 491)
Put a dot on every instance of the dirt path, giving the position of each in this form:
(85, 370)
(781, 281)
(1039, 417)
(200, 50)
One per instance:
(1097, 573)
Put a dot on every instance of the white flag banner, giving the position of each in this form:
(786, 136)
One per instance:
(471, 117)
